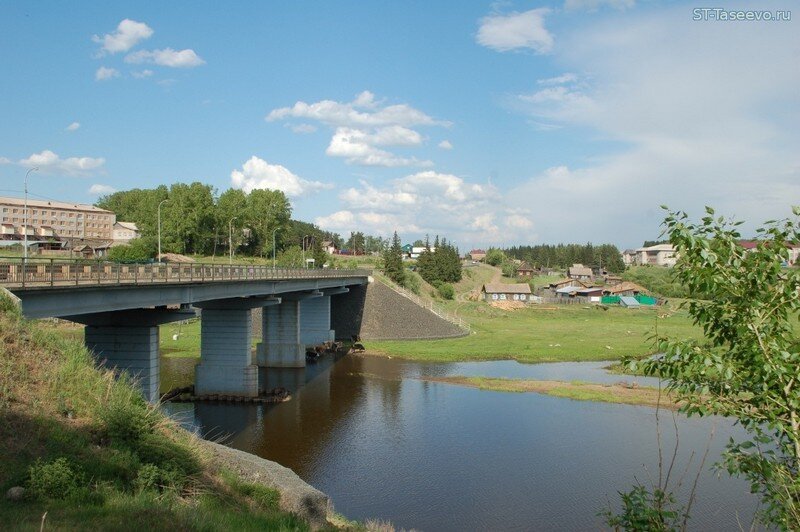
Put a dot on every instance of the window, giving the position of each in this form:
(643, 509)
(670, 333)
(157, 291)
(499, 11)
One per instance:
(494, 296)
(503, 296)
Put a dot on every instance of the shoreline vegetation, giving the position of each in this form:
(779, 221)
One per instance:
(618, 393)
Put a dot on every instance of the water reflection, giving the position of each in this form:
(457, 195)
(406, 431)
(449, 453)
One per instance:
(431, 456)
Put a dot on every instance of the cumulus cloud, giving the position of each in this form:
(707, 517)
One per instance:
(516, 31)
(303, 129)
(363, 128)
(105, 73)
(559, 80)
(167, 57)
(5, 160)
(256, 173)
(446, 145)
(129, 33)
(99, 189)
(429, 202)
(73, 126)
(49, 162)
(142, 74)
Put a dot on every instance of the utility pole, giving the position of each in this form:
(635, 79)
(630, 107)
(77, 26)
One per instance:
(159, 228)
(273, 246)
(25, 217)
(230, 240)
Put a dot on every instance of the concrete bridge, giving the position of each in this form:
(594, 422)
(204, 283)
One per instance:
(122, 305)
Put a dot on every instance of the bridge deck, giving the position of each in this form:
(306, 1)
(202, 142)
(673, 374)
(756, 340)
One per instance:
(45, 273)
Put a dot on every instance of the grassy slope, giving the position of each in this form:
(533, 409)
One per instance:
(545, 333)
(127, 466)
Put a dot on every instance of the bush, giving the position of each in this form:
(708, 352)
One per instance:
(55, 480)
(154, 478)
(446, 291)
(125, 416)
(137, 250)
(412, 282)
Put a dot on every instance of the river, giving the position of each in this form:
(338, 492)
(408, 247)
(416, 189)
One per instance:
(385, 444)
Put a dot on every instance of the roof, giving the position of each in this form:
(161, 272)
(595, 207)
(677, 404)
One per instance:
(525, 266)
(572, 282)
(54, 204)
(628, 252)
(624, 286)
(628, 301)
(568, 289)
(128, 225)
(477, 251)
(579, 269)
(500, 288)
(658, 247)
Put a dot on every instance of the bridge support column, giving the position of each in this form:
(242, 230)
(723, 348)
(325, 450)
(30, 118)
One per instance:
(281, 346)
(226, 365)
(315, 321)
(133, 350)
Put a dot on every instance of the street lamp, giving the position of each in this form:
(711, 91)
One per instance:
(230, 240)
(273, 246)
(25, 216)
(159, 228)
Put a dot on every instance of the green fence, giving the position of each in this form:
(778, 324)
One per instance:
(641, 298)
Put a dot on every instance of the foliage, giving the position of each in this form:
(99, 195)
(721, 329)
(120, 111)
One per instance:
(747, 367)
(658, 280)
(509, 269)
(565, 255)
(446, 291)
(412, 282)
(440, 264)
(137, 250)
(495, 257)
(645, 510)
(57, 479)
(393, 261)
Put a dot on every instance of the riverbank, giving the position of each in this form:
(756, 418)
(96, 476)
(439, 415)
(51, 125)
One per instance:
(555, 333)
(620, 393)
(89, 453)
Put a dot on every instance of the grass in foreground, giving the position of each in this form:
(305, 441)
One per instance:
(93, 454)
(548, 333)
(577, 390)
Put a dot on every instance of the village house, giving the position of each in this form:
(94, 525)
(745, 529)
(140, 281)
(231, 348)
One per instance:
(506, 292)
(629, 257)
(580, 272)
(625, 288)
(477, 254)
(525, 270)
(590, 294)
(658, 255)
(794, 250)
(562, 283)
(612, 280)
(329, 247)
(124, 232)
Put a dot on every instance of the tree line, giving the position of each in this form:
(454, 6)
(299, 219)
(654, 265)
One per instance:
(563, 256)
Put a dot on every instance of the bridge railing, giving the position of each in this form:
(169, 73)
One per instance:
(38, 272)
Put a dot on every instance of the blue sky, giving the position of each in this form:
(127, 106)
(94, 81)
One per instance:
(491, 123)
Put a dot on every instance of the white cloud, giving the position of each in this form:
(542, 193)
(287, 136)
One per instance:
(516, 31)
(559, 80)
(359, 147)
(167, 57)
(700, 119)
(364, 111)
(99, 189)
(429, 202)
(142, 74)
(594, 5)
(446, 145)
(5, 160)
(104, 73)
(363, 128)
(73, 126)
(302, 128)
(128, 34)
(257, 173)
(49, 162)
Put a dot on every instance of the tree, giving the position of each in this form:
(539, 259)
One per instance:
(267, 210)
(747, 367)
(393, 261)
(495, 257)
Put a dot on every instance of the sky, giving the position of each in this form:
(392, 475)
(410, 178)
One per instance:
(493, 124)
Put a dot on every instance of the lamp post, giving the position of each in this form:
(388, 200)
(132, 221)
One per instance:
(273, 246)
(305, 264)
(25, 216)
(159, 228)
(230, 240)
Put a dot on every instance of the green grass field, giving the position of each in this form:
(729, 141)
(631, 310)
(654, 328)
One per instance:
(535, 334)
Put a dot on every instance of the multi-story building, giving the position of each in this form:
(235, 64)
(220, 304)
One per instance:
(48, 220)
(658, 255)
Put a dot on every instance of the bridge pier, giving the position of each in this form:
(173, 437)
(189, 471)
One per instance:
(315, 318)
(226, 363)
(127, 341)
(281, 345)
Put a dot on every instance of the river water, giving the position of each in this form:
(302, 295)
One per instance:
(384, 444)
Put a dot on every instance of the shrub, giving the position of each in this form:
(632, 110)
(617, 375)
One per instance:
(54, 480)
(154, 478)
(412, 282)
(125, 416)
(446, 291)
